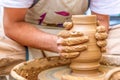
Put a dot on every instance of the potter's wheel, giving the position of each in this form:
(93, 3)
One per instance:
(54, 73)
(59, 72)
(52, 70)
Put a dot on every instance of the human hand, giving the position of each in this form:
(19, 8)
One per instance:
(101, 36)
(71, 43)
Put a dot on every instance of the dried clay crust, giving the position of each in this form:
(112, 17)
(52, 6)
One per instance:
(31, 69)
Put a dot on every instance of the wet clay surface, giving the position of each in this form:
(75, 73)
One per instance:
(31, 69)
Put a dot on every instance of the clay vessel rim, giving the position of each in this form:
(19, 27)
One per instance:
(88, 16)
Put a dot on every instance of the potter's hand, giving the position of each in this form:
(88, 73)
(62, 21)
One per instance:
(70, 43)
(101, 36)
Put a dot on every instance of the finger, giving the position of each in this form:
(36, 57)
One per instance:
(103, 49)
(101, 36)
(70, 55)
(98, 23)
(76, 48)
(101, 29)
(72, 40)
(68, 25)
(65, 34)
(102, 43)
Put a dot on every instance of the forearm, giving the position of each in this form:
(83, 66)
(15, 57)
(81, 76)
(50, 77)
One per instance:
(28, 35)
(103, 19)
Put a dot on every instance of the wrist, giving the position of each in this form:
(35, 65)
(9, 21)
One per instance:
(102, 19)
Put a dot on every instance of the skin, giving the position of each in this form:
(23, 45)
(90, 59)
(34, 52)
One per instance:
(103, 20)
(27, 35)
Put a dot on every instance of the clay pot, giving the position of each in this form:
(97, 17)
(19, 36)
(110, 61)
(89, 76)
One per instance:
(88, 61)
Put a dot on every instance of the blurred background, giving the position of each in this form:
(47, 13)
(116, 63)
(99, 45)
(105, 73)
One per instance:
(114, 19)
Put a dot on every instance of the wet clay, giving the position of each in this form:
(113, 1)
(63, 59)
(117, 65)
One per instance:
(87, 63)
(84, 67)
(30, 70)
(64, 73)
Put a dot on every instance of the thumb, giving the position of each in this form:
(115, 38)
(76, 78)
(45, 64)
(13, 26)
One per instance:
(68, 25)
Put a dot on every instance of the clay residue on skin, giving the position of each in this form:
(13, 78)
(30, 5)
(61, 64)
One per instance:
(101, 36)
